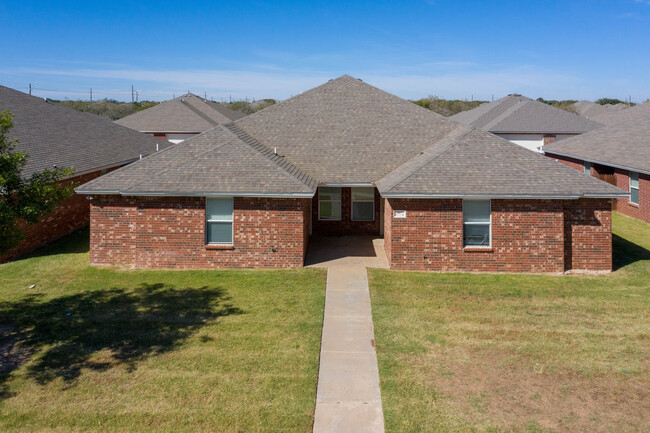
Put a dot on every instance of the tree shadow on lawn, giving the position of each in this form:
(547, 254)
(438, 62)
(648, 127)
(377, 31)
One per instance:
(626, 252)
(60, 336)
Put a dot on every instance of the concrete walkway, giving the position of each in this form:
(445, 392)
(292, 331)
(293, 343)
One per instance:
(348, 398)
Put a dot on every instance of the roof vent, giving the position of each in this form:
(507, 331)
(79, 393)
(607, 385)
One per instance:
(359, 79)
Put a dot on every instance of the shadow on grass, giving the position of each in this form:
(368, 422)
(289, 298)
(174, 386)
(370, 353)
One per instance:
(626, 252)
(60, 337)
(77, 242)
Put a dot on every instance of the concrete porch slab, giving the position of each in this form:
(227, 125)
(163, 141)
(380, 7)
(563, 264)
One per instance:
(353, 250)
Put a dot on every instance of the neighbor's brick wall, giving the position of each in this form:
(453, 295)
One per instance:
(588, 234)
(527, 236)
(69, 216)
(622, 205)
(148, 232)
(346, 226)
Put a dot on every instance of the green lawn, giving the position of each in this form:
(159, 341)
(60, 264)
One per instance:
(530, 353)
(89, 349)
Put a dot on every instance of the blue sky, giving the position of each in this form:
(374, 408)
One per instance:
(452, 49)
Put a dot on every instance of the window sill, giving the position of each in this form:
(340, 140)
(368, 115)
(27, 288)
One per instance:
(633, 204)
(478, 249)
(219, 247)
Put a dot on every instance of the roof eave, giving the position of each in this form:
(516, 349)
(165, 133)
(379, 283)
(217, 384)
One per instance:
(595, 161)
(502, 196)
(196, 194)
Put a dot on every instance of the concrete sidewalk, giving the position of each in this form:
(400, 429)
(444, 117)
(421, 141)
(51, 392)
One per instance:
(348, 398)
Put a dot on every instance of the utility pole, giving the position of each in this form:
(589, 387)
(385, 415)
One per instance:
(30, 88)
(205, 95)
(231, 98)
(132, 94)
(136, 96)
(91, 94)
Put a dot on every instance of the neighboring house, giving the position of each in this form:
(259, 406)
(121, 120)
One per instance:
(591, 110)
(619, 154)
(180, 118)
(57, 136)
(614, 117)
(526, 122)
(347, 158)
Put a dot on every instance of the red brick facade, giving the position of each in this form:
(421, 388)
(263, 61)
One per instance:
(639, 211)
(527, 236)
(144, 232)
(69, 216)
(346, 226)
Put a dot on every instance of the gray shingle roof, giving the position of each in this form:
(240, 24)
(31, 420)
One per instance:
(56, 135)
(518, 114)
(613, 117)
(346, 131)
(626, 145)
(222, 160)
(187, 113)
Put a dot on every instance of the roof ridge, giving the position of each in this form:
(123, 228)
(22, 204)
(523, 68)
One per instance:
(282, 162)
(488, 126)
(425, 157)
(199, 112)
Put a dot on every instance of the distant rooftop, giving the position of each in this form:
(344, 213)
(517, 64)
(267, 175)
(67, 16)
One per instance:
(187, 113)
(518, 114)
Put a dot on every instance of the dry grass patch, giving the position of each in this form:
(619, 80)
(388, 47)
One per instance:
(491, 353)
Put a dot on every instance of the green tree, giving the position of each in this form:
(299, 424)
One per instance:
(24, 199)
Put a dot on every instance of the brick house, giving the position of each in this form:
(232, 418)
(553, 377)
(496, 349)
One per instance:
(526, 122)
(180, 118)
(618, 154)
(54, 135)
(347, 158)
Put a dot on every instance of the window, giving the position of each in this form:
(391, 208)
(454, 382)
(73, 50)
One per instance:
(218, 220)
(329, 204)
(587, 167)
(634, 188)
(363, 204)
(476, 223)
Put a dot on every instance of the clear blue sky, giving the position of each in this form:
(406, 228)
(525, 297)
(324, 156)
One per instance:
(453, 49)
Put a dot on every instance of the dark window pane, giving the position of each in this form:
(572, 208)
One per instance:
(634, 195)
(363, 211)
(476, 235)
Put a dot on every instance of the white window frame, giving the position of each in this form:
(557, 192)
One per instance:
(340, 201)
(638, 185)
(231, 221)
(352, 201)
(477, 223)
(587, 167)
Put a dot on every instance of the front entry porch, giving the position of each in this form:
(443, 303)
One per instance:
(351, 250)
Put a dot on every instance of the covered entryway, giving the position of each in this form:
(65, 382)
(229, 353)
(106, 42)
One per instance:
(351, 250)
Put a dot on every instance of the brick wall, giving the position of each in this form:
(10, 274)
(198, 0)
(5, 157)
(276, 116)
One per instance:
(167, 232)
(588, 234)
(527, 236)
(549, 138)
(69, 216)
(639, 211)
(346, 226)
